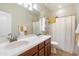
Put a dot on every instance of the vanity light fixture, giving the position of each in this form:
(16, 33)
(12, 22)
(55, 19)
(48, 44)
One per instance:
(20, 3)
(26, 5)
(29, 6)
(35, 6)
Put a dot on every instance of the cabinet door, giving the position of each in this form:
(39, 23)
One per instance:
(41, 45)
(30, 52)
(41, 52)
(48, 49)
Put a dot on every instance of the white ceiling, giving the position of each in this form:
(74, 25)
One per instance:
(54, 6)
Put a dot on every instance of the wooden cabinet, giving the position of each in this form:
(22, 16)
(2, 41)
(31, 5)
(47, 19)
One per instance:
(48, 50)
(41, 52)
(42, 49)
(41, 45)
(48, 47)
(36, 54)
(30, 52)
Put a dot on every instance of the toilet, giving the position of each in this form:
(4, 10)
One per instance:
(54, 44)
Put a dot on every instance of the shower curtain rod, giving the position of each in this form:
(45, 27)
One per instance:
(65, 16)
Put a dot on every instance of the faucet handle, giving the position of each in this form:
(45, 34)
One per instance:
(9, 34)
(15, 37)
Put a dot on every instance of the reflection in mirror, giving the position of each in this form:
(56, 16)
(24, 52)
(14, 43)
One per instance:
(5, 24)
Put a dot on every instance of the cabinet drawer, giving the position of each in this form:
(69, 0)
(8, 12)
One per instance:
(41, 52)
(48, 41)
(41, 45)
(30, 52)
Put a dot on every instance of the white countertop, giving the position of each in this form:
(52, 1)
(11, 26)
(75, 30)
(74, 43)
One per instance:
(32, 40)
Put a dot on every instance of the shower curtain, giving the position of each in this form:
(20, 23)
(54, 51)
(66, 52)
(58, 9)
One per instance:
(63, 31)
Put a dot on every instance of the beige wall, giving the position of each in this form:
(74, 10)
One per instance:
(64, 11)
(20, 15)
(77, 22)
(77, 12)
(44, 11)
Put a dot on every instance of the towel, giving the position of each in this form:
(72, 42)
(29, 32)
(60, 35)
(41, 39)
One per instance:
(22, 30)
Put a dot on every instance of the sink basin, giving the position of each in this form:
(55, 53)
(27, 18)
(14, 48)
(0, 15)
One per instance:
(41, 36)
(15, 44)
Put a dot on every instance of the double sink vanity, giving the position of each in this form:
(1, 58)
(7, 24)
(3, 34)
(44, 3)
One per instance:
(30, 45)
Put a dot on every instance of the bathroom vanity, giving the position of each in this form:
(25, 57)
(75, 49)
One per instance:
(30, 45)
(42, 49)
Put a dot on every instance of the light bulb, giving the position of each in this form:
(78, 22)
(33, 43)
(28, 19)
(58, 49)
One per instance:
(35, 6)
(20, 3)
(30, 6)
(26, 5)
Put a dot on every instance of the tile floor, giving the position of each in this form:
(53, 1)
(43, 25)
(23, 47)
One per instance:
(61, 53)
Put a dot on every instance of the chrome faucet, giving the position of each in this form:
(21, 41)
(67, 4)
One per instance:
(12, 38)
